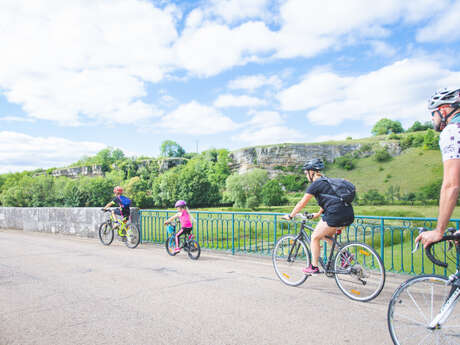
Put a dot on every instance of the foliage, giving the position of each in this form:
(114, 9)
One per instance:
(346, 162)
(273, 194)
(170, 148)
(373, 197)
(382, 155)
(386, 126)
(292, 183)
(418, 126)
(245, 190)
(431, 140)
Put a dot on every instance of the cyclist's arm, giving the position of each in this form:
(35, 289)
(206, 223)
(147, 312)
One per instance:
(110, 204)
(177, 215)
(300, 205)
(319, 213)
(447, 201)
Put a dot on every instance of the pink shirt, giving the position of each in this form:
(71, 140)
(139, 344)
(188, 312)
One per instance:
(185, 221)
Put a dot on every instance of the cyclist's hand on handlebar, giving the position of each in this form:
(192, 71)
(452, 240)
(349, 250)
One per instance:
(286, 217)
(166, 223)
(428, 237)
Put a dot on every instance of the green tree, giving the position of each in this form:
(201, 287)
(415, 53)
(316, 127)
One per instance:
(245, 190)
(418, 126)
(431, 140)
(170, 148)
(373, 197)
(272, 193)
(386, 126)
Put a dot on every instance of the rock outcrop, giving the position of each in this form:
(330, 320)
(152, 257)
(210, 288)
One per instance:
(91, 171)
(275, 158)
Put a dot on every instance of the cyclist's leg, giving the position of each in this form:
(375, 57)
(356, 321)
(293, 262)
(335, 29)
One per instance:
(321, 231)
(177, 238)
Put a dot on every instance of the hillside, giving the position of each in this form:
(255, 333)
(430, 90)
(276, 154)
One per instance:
(412, 169)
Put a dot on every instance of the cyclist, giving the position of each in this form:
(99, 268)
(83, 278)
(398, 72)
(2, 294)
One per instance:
(185, 218)
(336, 213)
(123, 210)
(445, 112)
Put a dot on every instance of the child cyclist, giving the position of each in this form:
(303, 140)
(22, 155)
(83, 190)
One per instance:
(185, 221)
(123, 210)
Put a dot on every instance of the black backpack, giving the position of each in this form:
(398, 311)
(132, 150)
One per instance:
(343, 189)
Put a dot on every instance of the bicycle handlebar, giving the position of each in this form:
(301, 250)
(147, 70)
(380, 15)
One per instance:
(304, 216)
(429, 254)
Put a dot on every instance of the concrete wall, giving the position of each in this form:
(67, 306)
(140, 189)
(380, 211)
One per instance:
(78, 221)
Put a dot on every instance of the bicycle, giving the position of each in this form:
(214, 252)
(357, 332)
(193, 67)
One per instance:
(186, 242)
(421, 310)
(357, 268)
(128, 231)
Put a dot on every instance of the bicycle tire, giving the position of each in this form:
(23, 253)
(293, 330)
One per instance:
(412, 307)
(170, 245)
(105, 233)
(133, 236)
(193, 250)
(290, 272)
(359, 271)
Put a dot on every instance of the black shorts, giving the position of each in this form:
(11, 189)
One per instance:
(186, 231)
(125, 214)
(337, 216)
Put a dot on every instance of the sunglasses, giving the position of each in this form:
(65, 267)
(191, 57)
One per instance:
(439, 109)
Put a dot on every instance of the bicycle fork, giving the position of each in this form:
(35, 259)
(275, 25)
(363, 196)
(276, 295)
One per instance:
(446, 309)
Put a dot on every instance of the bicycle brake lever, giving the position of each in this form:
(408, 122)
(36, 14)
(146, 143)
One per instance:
(417, 244)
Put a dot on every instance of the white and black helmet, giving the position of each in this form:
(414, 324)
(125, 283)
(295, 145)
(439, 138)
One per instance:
(445, 96)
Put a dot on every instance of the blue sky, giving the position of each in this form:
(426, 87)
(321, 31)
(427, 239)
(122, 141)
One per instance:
(77, 76)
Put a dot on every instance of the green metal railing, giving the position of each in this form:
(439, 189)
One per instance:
(250, 232)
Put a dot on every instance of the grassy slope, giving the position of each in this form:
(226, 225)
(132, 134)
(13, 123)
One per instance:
(411, 170)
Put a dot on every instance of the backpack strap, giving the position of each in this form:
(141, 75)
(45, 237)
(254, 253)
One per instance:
(336, 196)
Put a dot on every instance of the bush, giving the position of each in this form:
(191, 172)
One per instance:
(382, 155)
(346, 162)
(292, 183)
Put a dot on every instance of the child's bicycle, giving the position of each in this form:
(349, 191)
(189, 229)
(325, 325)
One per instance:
(128, 232)
(425, 309)
(356, 267)
(186, 242)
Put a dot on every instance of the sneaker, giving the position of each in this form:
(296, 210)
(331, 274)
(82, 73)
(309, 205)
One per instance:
(177, 250)
(311, 270)
(346, 259)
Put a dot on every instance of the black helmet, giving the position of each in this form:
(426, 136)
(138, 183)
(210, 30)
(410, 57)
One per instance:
(314, 164)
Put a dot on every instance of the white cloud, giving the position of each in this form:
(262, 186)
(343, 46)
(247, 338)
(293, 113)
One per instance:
(20, 151)
(194, 118)
(382, 48)
(267, 127)
(253, 82)
(65, 59)
(398, 91)
(228, 100)
(16, 119)
(233, 10)
(444, 27)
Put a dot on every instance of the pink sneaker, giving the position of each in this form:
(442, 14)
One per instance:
(177, 250)
(310, 270)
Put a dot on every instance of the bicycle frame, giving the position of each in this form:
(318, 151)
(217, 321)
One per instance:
(303, 236)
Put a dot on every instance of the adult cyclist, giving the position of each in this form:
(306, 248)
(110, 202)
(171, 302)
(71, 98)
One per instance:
(445, 114)
(336, 213)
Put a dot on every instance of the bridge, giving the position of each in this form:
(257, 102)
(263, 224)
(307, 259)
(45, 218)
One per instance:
(58, 289)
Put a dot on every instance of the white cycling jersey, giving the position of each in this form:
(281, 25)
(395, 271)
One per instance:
(449, 142)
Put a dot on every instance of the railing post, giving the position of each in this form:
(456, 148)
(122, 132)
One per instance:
(139, 212)
(275, 230)
(197, 227)
(382, 240)
(233, 233)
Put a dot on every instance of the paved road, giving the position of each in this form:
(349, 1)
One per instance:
(61, 290)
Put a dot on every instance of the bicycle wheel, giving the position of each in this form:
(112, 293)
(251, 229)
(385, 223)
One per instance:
(413, 307)
(289, 257)
(106, 233)
(133, 236)
(193, 250)
(359, 271)
(170, 245)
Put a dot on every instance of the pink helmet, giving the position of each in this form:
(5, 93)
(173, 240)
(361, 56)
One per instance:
(180, 203)
(118, 189)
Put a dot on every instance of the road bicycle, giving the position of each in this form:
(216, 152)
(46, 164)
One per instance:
(127, 231)
(186, 242)
(424, 309)
(357, 268)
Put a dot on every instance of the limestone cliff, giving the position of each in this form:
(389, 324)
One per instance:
(275, 157)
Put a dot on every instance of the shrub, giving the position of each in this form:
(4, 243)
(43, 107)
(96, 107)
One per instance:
(346, 162)
(382, 155)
